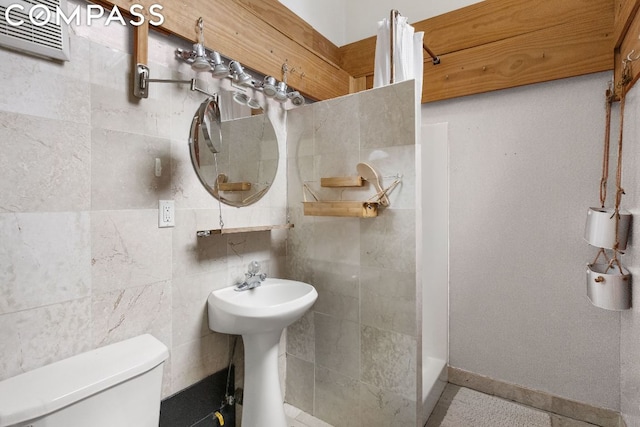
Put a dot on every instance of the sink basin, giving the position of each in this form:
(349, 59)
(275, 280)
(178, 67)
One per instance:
(272, 306)
(259, 315)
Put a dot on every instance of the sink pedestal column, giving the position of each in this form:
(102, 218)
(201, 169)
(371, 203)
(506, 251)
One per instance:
(262, 400)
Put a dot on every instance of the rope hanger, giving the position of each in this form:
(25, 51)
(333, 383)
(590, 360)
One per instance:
(610, 99)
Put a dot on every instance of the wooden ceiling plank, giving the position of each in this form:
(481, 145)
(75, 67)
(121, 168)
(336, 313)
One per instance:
(487, 46)
(625, 10)
(481, 23)
(237, 33)
(141, 44)
(557, 52)
(630, 46)
(493, 20)
(291, 25)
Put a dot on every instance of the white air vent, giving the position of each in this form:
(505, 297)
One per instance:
(34, 34)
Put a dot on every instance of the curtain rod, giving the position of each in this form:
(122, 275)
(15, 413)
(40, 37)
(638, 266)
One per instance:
(392, 22)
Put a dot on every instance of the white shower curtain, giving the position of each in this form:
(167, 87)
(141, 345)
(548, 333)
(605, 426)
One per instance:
(407, 55)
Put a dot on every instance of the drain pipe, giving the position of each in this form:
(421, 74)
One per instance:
(227, 408)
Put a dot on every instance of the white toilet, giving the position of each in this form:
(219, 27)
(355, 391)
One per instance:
(114, 386)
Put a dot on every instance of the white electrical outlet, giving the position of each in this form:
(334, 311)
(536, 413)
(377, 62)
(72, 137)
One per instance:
(166, 213)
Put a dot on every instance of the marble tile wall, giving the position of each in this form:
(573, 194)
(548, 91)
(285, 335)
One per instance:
(82, 260)
(352, 360)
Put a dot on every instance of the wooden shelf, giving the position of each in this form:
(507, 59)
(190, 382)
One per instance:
(225, 185)
(341, 208)
(234, 186)
(207, 233)
(342, 181)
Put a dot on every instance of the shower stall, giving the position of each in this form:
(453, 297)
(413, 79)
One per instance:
(373, 349)
(432, 248)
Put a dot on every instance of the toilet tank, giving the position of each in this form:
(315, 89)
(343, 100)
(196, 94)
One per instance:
(118, 385)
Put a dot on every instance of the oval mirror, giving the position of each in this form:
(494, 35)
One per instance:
(235, 157)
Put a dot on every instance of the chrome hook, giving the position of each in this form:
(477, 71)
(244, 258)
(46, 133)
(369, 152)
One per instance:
(201, 30)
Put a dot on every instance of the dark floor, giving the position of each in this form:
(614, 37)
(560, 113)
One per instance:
(196, 405)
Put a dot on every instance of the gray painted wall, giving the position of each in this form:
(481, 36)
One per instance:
(524, 168)
(630, 325)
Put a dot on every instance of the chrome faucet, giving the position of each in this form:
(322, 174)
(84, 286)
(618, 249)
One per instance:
(252, 278)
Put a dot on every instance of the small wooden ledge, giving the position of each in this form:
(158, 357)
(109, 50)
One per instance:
(225, 185)
(234, 186)
(207, 233)
(341, 208)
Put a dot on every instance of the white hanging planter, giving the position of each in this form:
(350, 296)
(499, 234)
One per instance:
(600, 230)
(609, 287)
(609, 284)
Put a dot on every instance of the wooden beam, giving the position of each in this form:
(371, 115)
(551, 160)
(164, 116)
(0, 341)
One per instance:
(296, 29)
(629, 47)
(497, 44)
(482, 23)
(236, 32)
(625, 10)
(358, 57)
(552, 53)
(490, 45)
(141, 44)
(493, 20)
(358, 84)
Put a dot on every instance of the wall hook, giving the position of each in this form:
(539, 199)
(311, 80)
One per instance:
(625, 76)
(629, 58)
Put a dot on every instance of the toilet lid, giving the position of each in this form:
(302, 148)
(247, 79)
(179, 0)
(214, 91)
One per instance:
(50, 388)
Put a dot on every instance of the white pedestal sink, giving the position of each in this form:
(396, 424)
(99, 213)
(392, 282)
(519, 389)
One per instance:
(260, 315)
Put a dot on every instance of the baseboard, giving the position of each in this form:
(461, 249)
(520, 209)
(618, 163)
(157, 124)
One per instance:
(195, 405)
(434, 381)
(536, 399)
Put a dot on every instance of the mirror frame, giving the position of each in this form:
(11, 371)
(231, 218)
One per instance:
(206, 131)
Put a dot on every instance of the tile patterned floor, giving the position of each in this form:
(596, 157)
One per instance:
(297, 418)
(463, 407)
(447, 413)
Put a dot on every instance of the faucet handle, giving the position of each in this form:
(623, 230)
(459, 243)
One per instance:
(253, 268)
